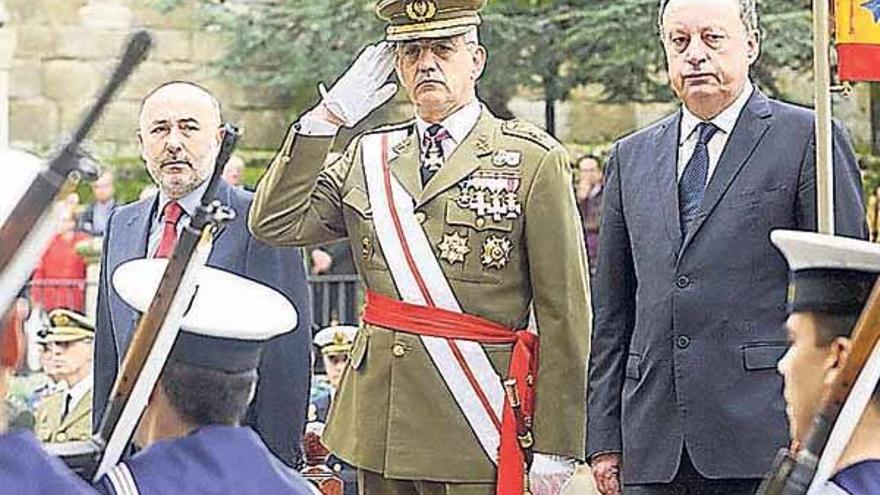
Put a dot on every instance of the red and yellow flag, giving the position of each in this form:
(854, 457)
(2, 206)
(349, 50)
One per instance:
(858, 39)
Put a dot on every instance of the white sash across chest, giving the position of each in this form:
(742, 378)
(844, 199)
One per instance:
(463, 364)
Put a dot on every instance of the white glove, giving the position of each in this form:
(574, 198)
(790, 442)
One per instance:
(550, 474)
(363, 87)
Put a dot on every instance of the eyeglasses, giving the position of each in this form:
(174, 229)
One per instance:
(411, 51)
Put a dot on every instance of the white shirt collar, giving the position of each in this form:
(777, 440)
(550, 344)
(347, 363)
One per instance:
(79, 390)
(459, 124)
(189, 203)
(724, 120)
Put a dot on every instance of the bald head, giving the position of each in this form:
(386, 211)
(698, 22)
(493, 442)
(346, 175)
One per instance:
(179, 132)
(177, 90)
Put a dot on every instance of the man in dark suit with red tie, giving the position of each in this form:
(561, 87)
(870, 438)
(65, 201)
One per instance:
(689, 296)
(179, 134)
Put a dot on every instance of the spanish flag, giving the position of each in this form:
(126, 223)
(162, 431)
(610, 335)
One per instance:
(858, 39)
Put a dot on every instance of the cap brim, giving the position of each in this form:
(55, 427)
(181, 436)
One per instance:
(225, 305)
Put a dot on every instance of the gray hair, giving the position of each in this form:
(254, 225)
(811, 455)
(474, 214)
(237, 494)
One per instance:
(748, 13)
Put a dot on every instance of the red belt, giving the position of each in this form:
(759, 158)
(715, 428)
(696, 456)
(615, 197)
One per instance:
(436, 322)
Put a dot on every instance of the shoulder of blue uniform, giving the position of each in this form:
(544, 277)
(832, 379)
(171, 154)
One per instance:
(522, 130)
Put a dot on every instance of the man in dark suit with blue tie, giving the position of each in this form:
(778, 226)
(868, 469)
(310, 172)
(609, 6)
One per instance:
(179, 134)
(689, 298)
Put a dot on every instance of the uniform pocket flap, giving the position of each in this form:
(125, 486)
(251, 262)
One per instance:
(357, 199)
(632, 366)
(455, 215)
(762, 356)
(358, 349)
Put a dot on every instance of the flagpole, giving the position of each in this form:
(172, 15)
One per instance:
(822, 97)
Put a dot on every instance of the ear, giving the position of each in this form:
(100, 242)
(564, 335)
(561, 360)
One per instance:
(480, 55)
(140, 138)
(221, 133)
(753, 46)
(838, 355)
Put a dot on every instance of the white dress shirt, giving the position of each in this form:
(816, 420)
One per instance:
(189, 203)
(725, 121)
(458, 125)
(78, 391)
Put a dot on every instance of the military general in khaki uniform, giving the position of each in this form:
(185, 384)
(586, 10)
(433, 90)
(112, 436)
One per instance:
(66, 415)
(466, 235)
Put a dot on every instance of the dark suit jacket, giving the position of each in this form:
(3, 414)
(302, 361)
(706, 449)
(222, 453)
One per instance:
(687, 332)
(278, 410)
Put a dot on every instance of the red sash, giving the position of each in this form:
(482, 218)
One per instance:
(437, 322)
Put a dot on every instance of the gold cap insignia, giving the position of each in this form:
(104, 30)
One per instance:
(421, 10)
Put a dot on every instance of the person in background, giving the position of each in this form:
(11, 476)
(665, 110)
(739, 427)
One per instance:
(233, 171)
(93, 218)
(66, 415)
(60, 277)
(588, 191)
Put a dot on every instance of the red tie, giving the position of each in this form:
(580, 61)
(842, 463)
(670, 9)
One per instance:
(170, 217)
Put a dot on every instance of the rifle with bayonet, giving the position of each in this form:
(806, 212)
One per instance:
(793, 473)
(29, 226)
(155, 334)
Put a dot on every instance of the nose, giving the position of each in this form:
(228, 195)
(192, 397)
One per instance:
(696, 53)
(427, 61)
(783, 365)
(174, 142)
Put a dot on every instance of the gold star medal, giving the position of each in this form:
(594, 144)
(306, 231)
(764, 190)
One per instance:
(496, 252)
(453, 248)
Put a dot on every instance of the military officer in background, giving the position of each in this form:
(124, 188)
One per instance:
(66, 415)
(831, 279)
(334, 344)
(463, 225)
(191, 429)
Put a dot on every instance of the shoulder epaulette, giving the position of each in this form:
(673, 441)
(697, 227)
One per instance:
(530, 132)
(396, 126)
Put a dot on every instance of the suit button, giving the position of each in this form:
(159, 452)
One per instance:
(682, 281)
(398, 350)
(683, 341)
(480, 223)
(61, 437)
(420, 217)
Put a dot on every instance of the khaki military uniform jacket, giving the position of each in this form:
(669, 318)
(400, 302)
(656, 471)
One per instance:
(77, 426)
(393, 413)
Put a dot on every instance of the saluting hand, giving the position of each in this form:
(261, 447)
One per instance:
(363, 87)
(606, 473)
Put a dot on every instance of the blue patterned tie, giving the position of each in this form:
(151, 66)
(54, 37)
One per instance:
(432, 151)
(693, 180)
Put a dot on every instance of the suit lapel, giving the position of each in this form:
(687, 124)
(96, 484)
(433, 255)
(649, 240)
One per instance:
(747, 133)
(463, 161)
(137, 228)
(224, 193)
(404, 163)
(666, 166)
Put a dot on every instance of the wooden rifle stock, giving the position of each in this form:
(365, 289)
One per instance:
(792, 474)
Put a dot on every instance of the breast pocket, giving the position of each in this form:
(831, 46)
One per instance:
(489, 245)
(361, 231)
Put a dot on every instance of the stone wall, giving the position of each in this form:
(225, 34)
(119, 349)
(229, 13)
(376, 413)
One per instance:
(66, 48)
